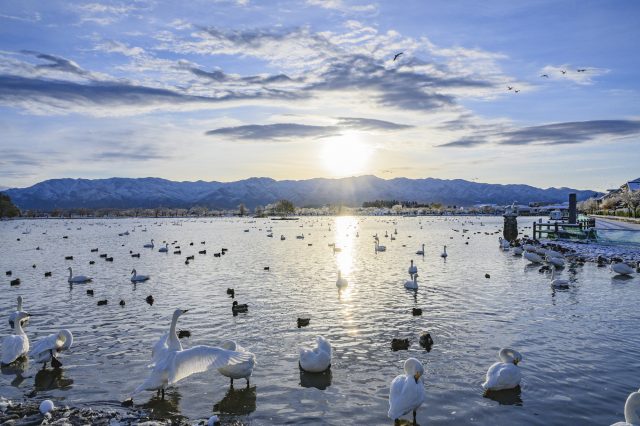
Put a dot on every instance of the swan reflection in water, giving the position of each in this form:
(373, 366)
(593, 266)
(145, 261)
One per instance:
(316, 380)
(49, 379)
(16, 368)
(238, 402)
(165, 408)
(506, 396)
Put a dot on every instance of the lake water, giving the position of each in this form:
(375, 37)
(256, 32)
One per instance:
(581, 347)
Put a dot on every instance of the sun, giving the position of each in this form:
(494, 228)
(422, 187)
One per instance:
(345, 155)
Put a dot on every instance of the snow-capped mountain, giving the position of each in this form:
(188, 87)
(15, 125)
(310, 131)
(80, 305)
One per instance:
(353, 191)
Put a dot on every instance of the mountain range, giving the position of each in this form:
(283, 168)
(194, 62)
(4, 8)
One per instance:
(353, 191)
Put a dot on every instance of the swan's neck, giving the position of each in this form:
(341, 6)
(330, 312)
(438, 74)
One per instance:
(19, 303)
(70, 273)
(173, 337)
(18, 327)
(630, 409)
(553, 274)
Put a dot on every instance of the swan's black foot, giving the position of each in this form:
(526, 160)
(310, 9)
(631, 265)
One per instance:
(55, 363)
(163, 394)
(247, 383)
(414, 418)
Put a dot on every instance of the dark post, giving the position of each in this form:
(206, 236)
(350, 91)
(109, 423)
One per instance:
(572, 208)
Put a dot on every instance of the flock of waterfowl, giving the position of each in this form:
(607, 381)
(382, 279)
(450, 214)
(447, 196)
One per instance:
(170, 362)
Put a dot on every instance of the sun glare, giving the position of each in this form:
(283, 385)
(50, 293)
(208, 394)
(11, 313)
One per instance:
(345, 155)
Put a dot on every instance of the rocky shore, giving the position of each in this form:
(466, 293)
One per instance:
(27, 413)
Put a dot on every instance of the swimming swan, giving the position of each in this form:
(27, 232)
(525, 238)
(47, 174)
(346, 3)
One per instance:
(444, 253)
(77, 278)
(505, 374)
(171, 363)
(318, 359)
(14, 315)
(149, 245)
(557, 282)
(46, 349)
(413, 283)
(407, 393)
(15, 345)
(135, 278)
(341, 282)
(421, 252)
(413, 269)
(242, 370)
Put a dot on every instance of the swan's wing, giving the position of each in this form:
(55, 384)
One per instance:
(12, 347)
(509, 376)
(44, 345)
(401, 398)
(203, 358)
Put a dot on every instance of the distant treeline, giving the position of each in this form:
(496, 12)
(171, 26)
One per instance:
(409, 204)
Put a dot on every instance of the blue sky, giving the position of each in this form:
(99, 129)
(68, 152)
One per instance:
(225, 90)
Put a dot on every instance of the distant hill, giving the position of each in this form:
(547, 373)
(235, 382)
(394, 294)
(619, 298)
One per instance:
(353, 191)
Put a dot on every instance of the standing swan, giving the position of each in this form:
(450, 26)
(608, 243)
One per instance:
(444, 253)
(505, 374)
(15, 345)
(407, 391)
(77, 278)
(631, 407)
(237, 371)
(621, 268)
(46, 349)
(341, 282)
(318, 359)
(413, 283)
(14, 315)
(413, 269)
(171, 363)
(135, 278)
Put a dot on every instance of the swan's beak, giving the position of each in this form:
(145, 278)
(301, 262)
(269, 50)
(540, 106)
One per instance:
(417, 377)
(515, 362)
(184, 311)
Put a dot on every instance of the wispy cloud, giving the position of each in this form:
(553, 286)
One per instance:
(274, 132)
(342, 6)
(566, 133)
(370, 124)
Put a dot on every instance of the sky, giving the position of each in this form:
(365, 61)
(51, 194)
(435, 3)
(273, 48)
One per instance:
(545, 93)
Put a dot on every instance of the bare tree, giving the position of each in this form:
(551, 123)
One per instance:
(631, 200)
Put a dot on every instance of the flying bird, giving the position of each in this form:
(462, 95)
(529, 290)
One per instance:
(563, 71)
(581, 70)
(397, 55)
(509, 87)
(517, 90)
(545, 75)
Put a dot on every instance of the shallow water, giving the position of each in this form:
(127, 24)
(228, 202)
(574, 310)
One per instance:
(581, 346)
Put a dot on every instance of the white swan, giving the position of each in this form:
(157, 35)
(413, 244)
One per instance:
(77, 278)
(135, 278)
(505, 374)
(557, 282)
(621, 268)
(379, 247)
(172, 363)
(341, 282)
(15, 345)
(407, 393)
(14, 315)
(529, 247)
(555, 261)
(444, 253)
(532, 257)
(318, 359)
(46, 349)
(553, 253)
(164, 249)
(504, 244)
(413, 269)
(421, 252)
(149, 245)
(631, 407)
(413, 283)
(237, 371)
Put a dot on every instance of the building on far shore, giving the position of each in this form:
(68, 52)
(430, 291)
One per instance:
(632, 185)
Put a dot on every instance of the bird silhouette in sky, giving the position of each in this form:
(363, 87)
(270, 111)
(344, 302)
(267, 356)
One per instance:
(545, 75)
(509, 87)
(563, 71)
(397, 55)
(581, 70)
